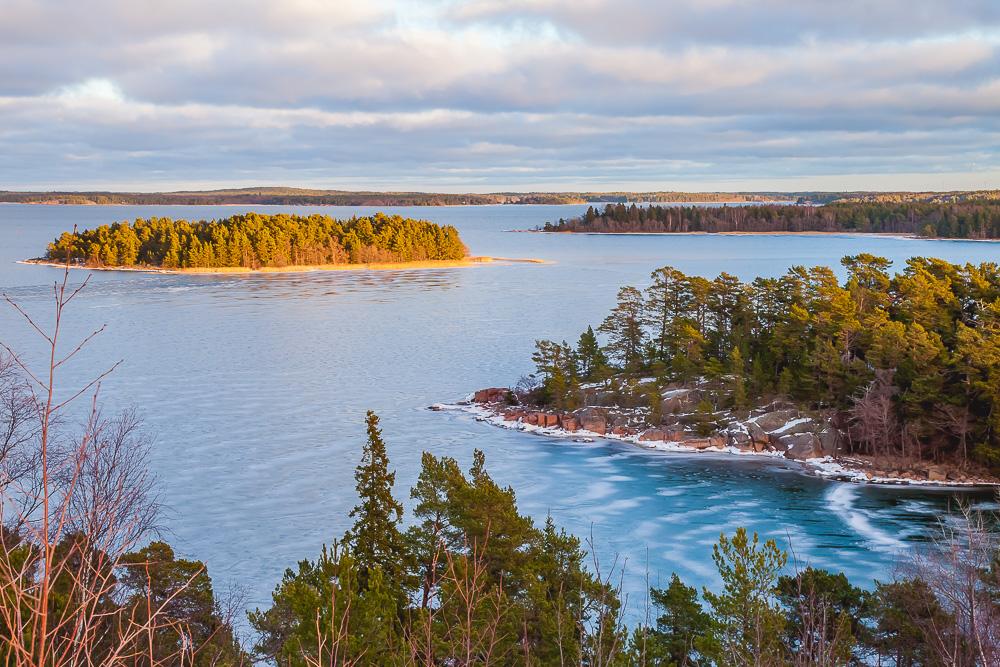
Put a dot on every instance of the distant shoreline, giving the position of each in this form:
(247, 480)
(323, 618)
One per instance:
(304, 268)
(889, 235)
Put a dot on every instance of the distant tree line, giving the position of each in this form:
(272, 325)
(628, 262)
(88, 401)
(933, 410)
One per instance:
(254, 240)
(966, 220)
(910, 363)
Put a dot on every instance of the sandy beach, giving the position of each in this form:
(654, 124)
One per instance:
(304, 268)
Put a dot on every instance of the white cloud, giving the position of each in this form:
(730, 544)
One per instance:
(525, 91)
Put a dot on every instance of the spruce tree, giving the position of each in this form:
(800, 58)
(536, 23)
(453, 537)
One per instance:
(375, 540)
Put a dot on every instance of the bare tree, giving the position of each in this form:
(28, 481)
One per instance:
(960, 568)
(874, 414)
(72, 507)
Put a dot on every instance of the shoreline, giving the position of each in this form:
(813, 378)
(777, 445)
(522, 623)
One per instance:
(303, 268)
(887, 235)
(826, 467)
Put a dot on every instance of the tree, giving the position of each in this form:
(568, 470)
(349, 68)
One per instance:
(746, 621)
(624, 326)
(375, 539)
(826, 617)
(590, 357)
(680, 626)
(182, 591)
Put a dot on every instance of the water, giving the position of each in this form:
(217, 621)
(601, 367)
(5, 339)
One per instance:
(255, 389)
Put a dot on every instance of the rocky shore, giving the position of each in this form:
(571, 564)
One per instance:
(778, 430)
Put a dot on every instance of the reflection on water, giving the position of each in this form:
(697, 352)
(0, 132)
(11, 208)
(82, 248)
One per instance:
(255, 388)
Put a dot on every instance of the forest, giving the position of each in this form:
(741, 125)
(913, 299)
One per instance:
(254, 240)
(961, 220)
(907, 364)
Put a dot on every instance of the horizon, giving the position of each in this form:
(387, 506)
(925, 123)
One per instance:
(479, 97)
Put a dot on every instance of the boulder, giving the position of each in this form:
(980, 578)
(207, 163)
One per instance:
(801, 446)
(594, 423)
(530, 418)
(569, 423)
(679, 400)
(491, 395)
(772, 421)
(673, 434)
(717, 441)
(829, 441)
(794, 427)
(756, 433)
(739, 438)
(651, 435)
(936, 474)
(548, 420)
(699, 443)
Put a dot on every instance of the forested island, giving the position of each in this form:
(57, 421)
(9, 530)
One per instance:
(896, 377)
(965, 220)
(258, 241)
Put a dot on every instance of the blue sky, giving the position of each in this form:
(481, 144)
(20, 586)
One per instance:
(491, 95)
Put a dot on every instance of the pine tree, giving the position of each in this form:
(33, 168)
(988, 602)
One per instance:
(375, 539)
(624, 327)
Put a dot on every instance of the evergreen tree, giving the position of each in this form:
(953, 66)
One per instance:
(375, 539)
(624, 326)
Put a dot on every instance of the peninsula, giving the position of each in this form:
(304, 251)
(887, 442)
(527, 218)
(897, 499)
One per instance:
(889, 378)
(974, 219)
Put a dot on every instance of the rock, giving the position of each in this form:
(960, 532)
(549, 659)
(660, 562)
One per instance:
(758, 446)
(739, 438)
(594, 423)
(651, 435)
(679, 400)
(491, 395)
(936, 474)
(569, 423)
(512, 415)
(548, 420)
(772, 421)
(756, 433)
(829, 441)
(699, 443)
(717, 441)
(673, 434)
(794, 427)
(800, 446)
(531, 418)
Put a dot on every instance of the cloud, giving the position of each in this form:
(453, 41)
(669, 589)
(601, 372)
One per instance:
(521, 94)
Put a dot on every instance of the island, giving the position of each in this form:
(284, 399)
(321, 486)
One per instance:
(259, 242)
(883, 378)
(967, 219)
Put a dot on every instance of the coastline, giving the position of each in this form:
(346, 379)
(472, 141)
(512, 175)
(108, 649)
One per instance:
(887, 235)
(827, 467)
(304, 268)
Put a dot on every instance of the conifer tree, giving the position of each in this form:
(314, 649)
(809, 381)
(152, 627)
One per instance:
(375, 539)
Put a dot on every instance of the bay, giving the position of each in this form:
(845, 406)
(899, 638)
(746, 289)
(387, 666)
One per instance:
(254, 389)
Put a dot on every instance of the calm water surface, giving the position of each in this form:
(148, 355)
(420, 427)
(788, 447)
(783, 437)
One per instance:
(255, 389)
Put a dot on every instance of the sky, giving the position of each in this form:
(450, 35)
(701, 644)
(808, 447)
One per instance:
(497, 95)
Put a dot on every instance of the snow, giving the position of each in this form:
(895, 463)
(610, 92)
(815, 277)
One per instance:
(826, 467)
(789, 425)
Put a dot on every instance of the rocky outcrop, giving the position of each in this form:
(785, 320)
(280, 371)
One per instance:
(493, 395)
(801, 446)
(779, 429)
